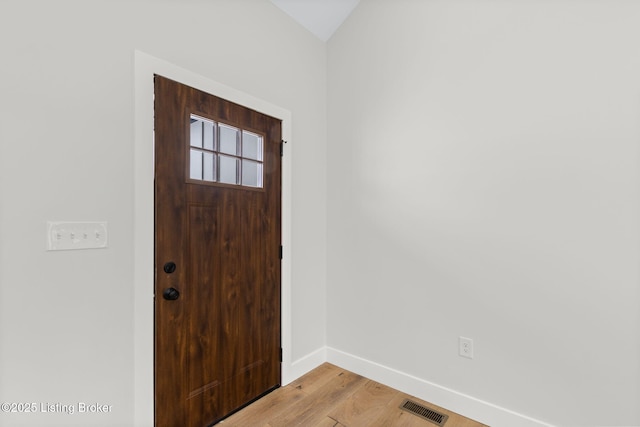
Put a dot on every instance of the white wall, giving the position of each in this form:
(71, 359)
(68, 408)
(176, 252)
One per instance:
(66, 153)
(483, 181)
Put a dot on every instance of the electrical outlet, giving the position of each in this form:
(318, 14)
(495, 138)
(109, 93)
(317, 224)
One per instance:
(465, 347)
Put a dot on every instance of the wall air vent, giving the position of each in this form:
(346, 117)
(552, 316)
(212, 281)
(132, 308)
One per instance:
(423, 412)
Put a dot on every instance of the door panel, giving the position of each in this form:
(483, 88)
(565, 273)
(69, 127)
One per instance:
(217, 346)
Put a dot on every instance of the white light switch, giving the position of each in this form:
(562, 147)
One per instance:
(62, 236)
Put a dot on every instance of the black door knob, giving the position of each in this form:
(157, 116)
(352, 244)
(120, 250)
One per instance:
(171, 294)
(169, 267)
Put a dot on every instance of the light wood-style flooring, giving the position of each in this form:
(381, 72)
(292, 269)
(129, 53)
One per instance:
(330, 396)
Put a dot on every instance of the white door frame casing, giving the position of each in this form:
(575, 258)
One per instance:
(146, 66)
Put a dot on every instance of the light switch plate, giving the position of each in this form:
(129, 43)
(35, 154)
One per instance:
(67, 235)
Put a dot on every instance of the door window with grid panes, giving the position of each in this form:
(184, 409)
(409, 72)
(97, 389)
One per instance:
(220, 153)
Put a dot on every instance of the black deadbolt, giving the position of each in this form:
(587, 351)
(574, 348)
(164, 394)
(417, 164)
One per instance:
(169, 267)
(171, 294)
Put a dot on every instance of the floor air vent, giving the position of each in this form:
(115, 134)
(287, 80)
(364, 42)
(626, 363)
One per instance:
(423, 412)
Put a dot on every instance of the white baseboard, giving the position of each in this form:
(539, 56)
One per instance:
(452, 400)
(303, 365)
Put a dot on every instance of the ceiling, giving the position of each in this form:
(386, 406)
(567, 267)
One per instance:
(321, 17)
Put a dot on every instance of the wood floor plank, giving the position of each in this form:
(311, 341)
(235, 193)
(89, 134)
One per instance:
(327, 422)
(270, 406)
(330, 396)
(365, 405)
(320, 402)
(316, 378)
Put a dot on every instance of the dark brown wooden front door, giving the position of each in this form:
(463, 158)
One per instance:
(217, 255)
